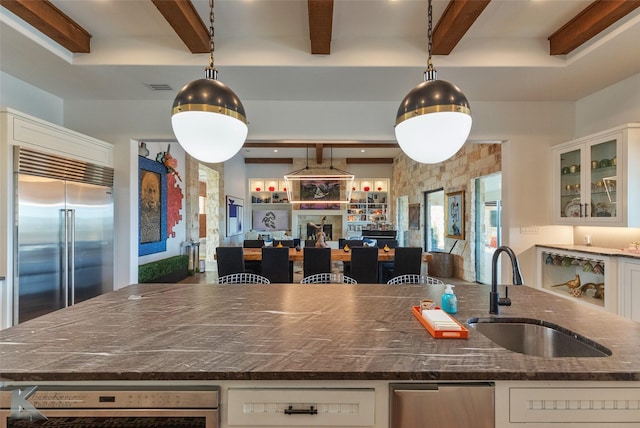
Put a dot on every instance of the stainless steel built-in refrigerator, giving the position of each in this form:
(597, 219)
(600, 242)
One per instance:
(63, 233)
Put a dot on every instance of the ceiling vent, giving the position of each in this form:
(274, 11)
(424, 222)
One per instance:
(158, 86)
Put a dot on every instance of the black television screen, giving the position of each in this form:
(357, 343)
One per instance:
(266, 220)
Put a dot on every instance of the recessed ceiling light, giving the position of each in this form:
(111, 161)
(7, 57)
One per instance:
(275, 150)
(362, 150)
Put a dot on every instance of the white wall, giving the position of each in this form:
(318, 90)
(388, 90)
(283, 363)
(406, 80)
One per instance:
(28, 99)
(235, 184)
(613, 106)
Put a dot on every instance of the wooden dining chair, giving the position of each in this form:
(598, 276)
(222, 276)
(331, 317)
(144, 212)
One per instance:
(253, 243)
(253, 266)
(354, 243)
(364, 265)
(276, 265)
(406, 260)
(316, 260)
(351, 243)
(389, 242)
(230, 260)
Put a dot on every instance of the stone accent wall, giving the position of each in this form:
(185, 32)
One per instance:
(458, 173)
(215, 207)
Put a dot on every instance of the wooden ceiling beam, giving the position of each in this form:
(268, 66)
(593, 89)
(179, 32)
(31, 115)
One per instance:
(52, 22)
(185, 21)
(362, 161)
(320, 25)
(268, 160)
(319, 150)
(592, 20)
(454, 23)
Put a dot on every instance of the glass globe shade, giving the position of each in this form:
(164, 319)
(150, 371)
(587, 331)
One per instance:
(433, 137)
(433, 121)
(207, 136)
(208, 120)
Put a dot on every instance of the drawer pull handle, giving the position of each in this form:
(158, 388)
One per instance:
(310, 411)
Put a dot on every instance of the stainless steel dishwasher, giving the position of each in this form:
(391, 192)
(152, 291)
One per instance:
(442, 405)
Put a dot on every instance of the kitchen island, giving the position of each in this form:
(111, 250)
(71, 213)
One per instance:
(315, 335)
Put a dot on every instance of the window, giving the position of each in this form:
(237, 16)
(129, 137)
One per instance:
(434, 220)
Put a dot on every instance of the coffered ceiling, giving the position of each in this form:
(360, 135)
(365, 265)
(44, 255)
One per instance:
(321, 50)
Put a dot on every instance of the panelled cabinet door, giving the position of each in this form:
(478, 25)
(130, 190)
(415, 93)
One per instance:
(591, 178)
(629, 298)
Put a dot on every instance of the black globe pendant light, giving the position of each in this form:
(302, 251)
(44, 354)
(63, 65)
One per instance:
(207, 117)
(434, 119)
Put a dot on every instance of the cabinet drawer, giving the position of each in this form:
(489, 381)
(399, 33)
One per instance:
(575, 405)
(301, 407)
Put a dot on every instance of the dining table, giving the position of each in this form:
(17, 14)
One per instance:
(337, 255)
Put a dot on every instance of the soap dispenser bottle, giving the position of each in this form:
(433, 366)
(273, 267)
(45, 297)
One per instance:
(449, 300)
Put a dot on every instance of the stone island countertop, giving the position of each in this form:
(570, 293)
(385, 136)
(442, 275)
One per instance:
(299, 332)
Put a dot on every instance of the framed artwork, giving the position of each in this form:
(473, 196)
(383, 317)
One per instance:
(235, 215)
(270, 220)
(414, 216)
(152, 206)
(321, 194)
(319, 190)
(455, 215)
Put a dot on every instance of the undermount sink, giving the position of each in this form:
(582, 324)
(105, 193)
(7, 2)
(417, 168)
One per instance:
(537, 337)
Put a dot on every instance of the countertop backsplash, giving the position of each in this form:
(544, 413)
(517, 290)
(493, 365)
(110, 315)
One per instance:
(608, 237)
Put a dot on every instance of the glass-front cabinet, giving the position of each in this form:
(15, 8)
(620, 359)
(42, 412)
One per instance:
(594, 179)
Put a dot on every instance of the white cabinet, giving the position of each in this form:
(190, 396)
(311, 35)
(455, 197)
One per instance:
(270, 207)
(595, 179)
(268, 191)
(629, 280)
(301, 406)
(583, 277)
(567, 404)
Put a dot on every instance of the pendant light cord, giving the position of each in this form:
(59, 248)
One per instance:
(430, 28)
(307, 165)
(210, 71)
(430, 73)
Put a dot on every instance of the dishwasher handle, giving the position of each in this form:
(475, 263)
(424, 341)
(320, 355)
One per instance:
(310, 411)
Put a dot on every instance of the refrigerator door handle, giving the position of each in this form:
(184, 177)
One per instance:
(72, 250)
(65, 256)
